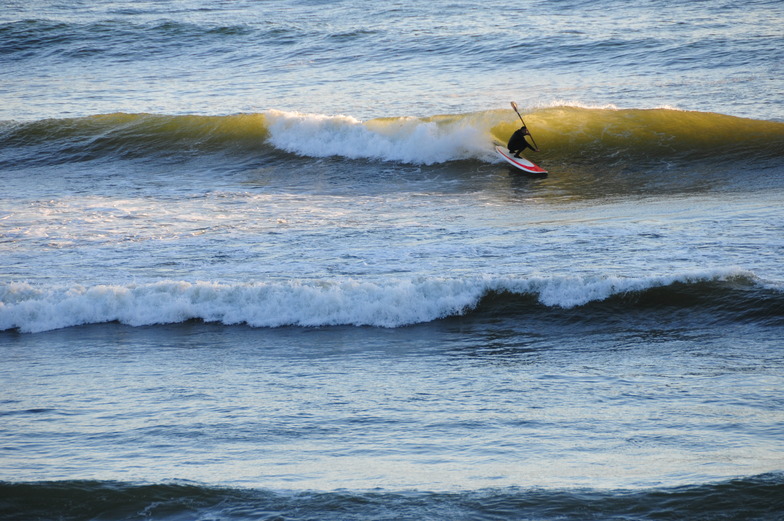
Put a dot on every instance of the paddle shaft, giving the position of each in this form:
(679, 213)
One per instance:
(514, 106)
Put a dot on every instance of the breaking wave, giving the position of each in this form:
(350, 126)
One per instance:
(566, 134)
(722, 294)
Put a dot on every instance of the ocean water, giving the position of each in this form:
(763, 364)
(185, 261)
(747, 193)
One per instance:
(259, 260)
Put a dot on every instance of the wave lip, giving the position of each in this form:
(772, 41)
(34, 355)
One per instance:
(390, 304)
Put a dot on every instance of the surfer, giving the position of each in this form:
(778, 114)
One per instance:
(518, 143)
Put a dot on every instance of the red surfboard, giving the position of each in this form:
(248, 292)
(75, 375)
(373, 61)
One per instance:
(520, 162)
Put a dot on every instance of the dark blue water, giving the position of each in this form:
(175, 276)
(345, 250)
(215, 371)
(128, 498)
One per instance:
(752, 498)
(261, 261)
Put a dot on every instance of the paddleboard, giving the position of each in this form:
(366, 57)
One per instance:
(520, 162)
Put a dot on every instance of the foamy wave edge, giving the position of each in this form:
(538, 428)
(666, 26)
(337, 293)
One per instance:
(29, 308)
(407, 140)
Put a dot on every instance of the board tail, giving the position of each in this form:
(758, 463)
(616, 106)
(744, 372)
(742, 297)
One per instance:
(520, 162)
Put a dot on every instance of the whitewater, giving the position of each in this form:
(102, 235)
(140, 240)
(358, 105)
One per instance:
(321, 304)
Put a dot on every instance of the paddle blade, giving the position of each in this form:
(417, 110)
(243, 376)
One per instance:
(514, 106)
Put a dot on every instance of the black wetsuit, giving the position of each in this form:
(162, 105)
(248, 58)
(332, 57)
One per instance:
(518, 143)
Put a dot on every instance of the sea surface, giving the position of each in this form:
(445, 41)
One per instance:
(260, 260)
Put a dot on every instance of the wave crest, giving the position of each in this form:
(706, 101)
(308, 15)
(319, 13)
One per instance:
(566, 134)
(29, 308)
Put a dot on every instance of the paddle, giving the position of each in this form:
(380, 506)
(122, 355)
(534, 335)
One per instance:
(514, 106)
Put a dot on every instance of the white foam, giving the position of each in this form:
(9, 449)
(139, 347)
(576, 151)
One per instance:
(569, 292)
(566, 103)
(557, 103)
(347, 302)
(31, 309)
(406, 140)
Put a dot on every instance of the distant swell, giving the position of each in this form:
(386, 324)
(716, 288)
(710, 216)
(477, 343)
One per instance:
(567, 135)
(723, 294)
(756, 497)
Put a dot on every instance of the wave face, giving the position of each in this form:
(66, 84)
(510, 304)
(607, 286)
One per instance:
(568, 136)
(756, 497)
(712, 295)
(127, 136)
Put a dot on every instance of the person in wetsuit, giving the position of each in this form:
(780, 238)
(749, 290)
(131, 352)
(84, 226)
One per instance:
(518, 143)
